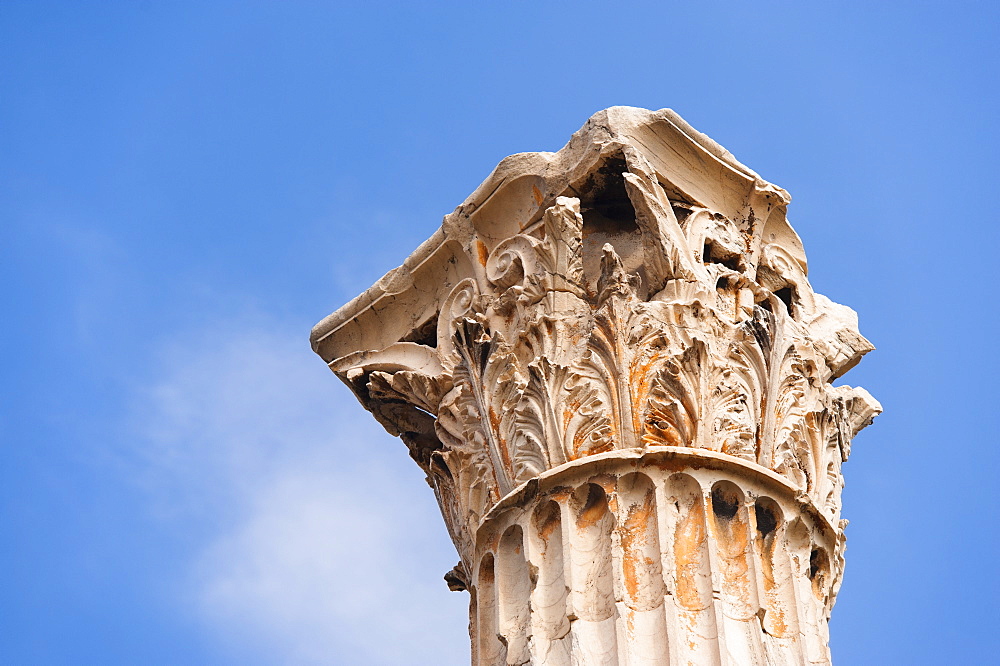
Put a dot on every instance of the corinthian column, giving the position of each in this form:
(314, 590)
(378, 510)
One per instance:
(612, 368)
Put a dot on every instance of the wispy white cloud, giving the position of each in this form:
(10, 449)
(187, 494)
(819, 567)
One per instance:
(318, 541)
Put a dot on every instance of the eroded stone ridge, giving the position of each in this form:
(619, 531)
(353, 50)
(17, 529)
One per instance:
(632, 316)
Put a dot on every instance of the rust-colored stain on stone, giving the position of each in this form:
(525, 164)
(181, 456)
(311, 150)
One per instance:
(634, 538)
(504, 450)
(482, 252)
(668, 463)
(537, 194)
(819, 569)
(774, 619)
(732, 536)
(595, 508)
(689, 553)
(547, 520)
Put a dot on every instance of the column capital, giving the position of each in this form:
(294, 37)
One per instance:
(639, 291)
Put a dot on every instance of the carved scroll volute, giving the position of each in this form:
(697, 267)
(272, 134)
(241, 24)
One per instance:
(535, 268)
(541, 279)
(512, 261)
(456, 305)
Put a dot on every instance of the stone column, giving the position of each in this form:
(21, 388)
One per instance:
(612, 368)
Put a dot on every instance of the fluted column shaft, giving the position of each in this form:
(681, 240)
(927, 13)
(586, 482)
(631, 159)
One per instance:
(661, 556)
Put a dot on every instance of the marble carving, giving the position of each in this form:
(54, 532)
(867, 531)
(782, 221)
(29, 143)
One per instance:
(612, 368)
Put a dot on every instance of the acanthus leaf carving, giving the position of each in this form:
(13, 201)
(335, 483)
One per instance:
(586, 414)
(518, 422)
(787, 452)
(423, 391)
(671, 416)
(475, 347)
(737, 392)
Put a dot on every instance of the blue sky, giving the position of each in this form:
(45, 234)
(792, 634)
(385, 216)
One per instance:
(185, 188)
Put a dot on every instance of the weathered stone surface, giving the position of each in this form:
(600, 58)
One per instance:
(612, 367)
